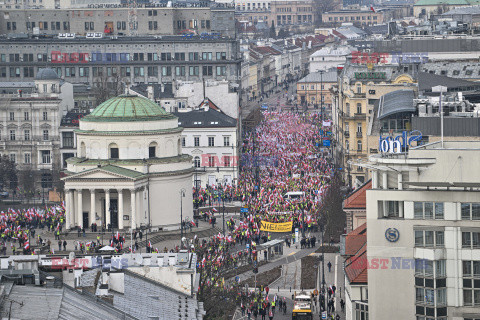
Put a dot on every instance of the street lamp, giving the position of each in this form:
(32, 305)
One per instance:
(182, 195)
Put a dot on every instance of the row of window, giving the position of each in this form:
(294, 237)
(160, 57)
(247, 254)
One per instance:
(359, 145)
(26, 135)
(213, 161)
(45, 157)
(26, 115)
(109, 57)
(211, 141)
(436, 210)
(15, 72)
(357, 18)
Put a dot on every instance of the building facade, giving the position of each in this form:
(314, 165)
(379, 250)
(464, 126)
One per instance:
(428, 233)
(210, 137)
(29, 127)
(115, 21)
(129, 170)
(361, 17)
(123, 61)
(314, 90)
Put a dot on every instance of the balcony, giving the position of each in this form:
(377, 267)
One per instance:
(359, 134)
(347, 133)
(359, 95)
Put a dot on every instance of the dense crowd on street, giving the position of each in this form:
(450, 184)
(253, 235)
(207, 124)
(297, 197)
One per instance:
(284, 156)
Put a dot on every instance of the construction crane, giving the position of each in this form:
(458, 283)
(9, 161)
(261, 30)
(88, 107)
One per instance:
(132, 18)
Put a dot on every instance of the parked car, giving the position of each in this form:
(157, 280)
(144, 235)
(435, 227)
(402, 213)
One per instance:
(3, 194)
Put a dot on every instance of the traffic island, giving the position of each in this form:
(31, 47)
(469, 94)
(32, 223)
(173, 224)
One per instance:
(309, 272)
(264, 278)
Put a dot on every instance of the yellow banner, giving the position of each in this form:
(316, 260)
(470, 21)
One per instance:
(276, 227)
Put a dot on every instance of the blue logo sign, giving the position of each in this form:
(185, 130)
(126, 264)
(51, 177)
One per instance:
(399, 143)
(392, 234)
(326, 143)
(243, 210)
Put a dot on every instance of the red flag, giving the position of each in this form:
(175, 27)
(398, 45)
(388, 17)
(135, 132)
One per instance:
(27, 245)
(371, 8)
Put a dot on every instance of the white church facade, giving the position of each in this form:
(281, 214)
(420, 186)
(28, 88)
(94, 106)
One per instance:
(129, 171)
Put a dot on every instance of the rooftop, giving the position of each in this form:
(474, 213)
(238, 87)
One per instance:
(205, 119)
(358, 198)
(328, 76)
(128, 108)
(396, 102)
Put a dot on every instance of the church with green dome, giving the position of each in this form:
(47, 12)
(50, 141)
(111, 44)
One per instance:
(130, 170)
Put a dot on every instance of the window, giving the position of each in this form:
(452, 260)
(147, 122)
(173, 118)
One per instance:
(428, 210)
(471, 239)
(194, 70)
(206, 56)
(27, 158)
(211, 161)
(211, 141)
(180, 56)
(151, 151)
(226, 161)
(221, 70)
(471, 283)
(196, 162)
(166, 71)
(67, 139)
(359, 127)
(45, 116)
(430, 288)
(45, 135)
(13, 157)
(359, 108)
(45, 156)
(207, 70)
(193, 56)
(359, 145)
(138, 71)
(361, 311)
(12, 116)
(183, 141)
(26, 116)
(83, 71)
(180, 70)
(221, 56)
(12, 135)
(166, 56)
(196, 141)
(152, 71)
(114, 153)
(226, 141)
(470, 211)
(347, 145)
(152, 25)
(429, 238)
(26, 135)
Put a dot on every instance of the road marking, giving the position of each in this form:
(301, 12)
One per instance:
(291, 253)
(336, 268)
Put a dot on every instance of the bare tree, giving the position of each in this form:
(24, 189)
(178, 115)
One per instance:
(107, 86)
(8, 173)
(325, 6)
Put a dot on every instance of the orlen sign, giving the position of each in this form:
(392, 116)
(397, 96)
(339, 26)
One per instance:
(399, 143)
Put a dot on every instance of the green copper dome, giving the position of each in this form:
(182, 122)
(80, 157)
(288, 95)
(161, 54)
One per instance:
(128, 108)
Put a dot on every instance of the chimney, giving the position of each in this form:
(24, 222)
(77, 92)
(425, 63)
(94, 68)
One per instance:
(150, 92)
(310, 44)
(286, 43)
(162, 86)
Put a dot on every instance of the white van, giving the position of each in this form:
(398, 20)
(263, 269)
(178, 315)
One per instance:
(294, 195)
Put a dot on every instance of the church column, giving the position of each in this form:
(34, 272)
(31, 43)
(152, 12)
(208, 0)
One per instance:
(120, 208)
(68, 208)
(133, 207)
(80, 208)
(92, 207)
(107, 208)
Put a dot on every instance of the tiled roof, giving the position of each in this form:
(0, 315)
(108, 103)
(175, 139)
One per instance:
(355, 240)
(329, 76)
(266, 50)
(356, 267)
(358, 198)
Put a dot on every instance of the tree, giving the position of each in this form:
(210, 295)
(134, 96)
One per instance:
(324, 6)
(273, 33)
(332, 215)
(27, 180)
(105, 87)
(282, 34)
(8, 173)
